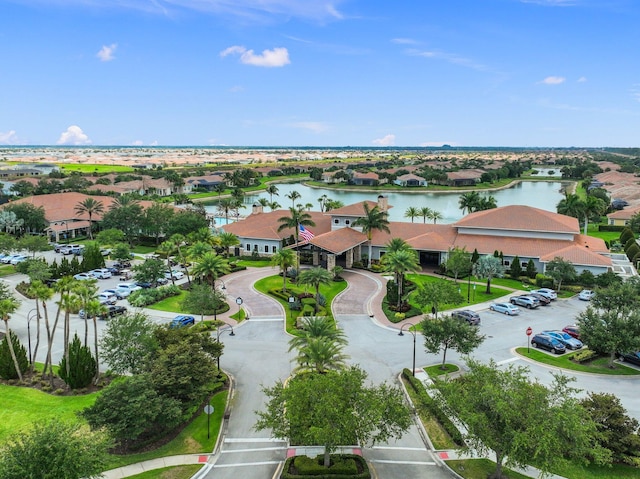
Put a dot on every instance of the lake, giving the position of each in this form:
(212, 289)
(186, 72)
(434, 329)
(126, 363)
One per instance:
(540, 194)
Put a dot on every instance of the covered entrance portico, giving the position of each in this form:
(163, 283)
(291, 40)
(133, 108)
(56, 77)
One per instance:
(340, 247)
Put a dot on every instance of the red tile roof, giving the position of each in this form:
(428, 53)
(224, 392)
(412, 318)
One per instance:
(340, 240)
(356, 209)
(265, 225)
(520, 218)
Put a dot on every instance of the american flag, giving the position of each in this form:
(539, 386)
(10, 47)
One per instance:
(306, 234)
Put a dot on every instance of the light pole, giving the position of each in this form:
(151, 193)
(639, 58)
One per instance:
(218, 333)
(29, 318)
(413, 371)
(239, 303)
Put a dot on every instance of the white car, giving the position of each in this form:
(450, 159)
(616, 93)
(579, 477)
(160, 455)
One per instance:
(119, 293)
(547, 292)
(7, 259)
(107, 298)
(101, 273)
(18, 259)
(84, 276)
(506, 308)
(128, 287)
(174, 274)
(586, 295)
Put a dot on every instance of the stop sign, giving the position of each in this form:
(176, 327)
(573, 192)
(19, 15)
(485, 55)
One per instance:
(529, 331)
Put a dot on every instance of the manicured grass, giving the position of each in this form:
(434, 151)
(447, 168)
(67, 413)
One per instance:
(140, 249)
(92, 168)
(191, 440)
(617, 471)
(248, 263)
(22, 407)
(610, 236)
(480, 469)
(475, 296)
(176, 472)
(598, 366)
(239, 316)
(435, 370)
(172, 303)
(7, 269)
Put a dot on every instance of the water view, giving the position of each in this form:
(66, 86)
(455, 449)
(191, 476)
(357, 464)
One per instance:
(540, 194)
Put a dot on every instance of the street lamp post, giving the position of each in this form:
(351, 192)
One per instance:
(239, 303)
(29, 318)
(413, 371)
(218, 333)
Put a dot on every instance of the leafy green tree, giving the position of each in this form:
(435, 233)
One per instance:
(627, 233)
(315, 277)
(7, 243)
(399, 263)
(320, 355)
(82, 365)
(121, 252)
(149, 271)
(297, 217)
(458, 262)
(488, 267)
(329, 409)
(156, 220)
(54, 449)
(436, 293)
(449, 333)
(284, 259)
(531, 269)
(22, 188)
(110, 237)
(593, 207)
(125, 214)
(130, 409)
(128, 342)
(518, 420)
(561, 271)
(10, 223)
(34, 244)
(7, 365)
(516, 268)
(185, 222)
(92, 257)
(571, 205)
(374, 219)
(469, 201)
(227, 240)
(32, 217)
(203, 300)
(90, 206)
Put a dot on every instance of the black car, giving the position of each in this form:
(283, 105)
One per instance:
(544, 300)
(545, 341)
(469, 316)
(633, 358)
(114, 311)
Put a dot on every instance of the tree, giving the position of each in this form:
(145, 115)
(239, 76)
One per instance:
(41, 293)
(156, 220)
(515, 271)
(593, 206)
(425, 212)
(226, 241)
(34, 244)
(33, 217)
(7, 365)
(412, 212)
(518, 420)
(81, 368)
(373, 219)
(320, 355)
(121, 252)
(90, 206)
(334, 409)
(8, 306)
(571, 205)
(560, 270)
(110, 237)
(284, 259)
(458, 262)
(128, 342)
(400, 262)
(450, 333)
(469, 201)
(271, 190)
(488, 267)
(611, 323)
(293, 196)
(130, 409)
(315, 277)
(435, 216)
(313, 327)
(150, 271)
(9, 222)
(185, 222)
(92, 258)
(226, 206)
(210, 267)
(531, 269)
(435, 293)
(54, 449)
(203, 300)
(125, 214)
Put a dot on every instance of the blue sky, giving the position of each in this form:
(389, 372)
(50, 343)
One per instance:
(527, 73)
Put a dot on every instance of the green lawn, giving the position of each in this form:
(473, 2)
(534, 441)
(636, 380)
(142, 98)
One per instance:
(7, 269)
(92, 168)
(476, 296)
(249, 263)
(598, 366)
(176, 472)
(172, 303)
(480, 469)
(22, 407)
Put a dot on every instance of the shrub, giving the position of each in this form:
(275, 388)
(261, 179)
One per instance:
(587, 278)
(145, 297)
(82, 365)
(7, 367)
(629, 243)
(343, 466)
(632, 251)
(541, 280)
(584, 356)
(626, 235)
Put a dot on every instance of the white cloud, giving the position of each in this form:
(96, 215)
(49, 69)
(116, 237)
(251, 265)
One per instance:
(277, 57)
(448, 57)
(137, 143)
(106, 53)
(387, 140)
(73, 136)
(314, 126)
(553, 80)
(404, 41)
(582, 79)
(9, 138)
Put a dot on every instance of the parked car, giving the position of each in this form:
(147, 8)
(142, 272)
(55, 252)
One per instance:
(77, 250)
(68, 248)
(174, 274)
(57, 247)
(565, 338)
(115, 311)
(528, 302)
(572, 330)
(549, 293)
(130, 287)
(182, 321)
(633, 358)
(107, 298)
(544, 300)
(120, 265)
(101, 273)
(105, 252)
(586, 295)
(7, 259)
(118, 293)
(545, 341)
(467, 315)
(506, 308)
(18, 259)
(83, 276)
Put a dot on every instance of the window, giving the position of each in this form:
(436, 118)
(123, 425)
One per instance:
(247, 247)
(524, 265)
(336, 221)
(346, 222)
(266, 248)
(507, 263)
(274, 249)
(255, 247)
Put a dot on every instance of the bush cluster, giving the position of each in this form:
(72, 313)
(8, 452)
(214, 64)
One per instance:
(343, 466)
(7, 366)
(145, 297)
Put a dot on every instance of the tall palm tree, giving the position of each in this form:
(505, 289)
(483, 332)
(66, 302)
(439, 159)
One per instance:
(593, 206)
(68, 302)
(412, 212)
(435, 216)
(210, 267)
(297, 217)
(373, 219)
(8, 306)
(293, 196)
(198, 250)
(425, 212)
(317, 327)
(180, 241)
(320, 355)
(571, 205)
(272, 190)
(284, 259)
(399, 263)
(396, 244)
(469, 201)
(85, 292)
(41, 293)
(93, 309)
(227, 240)
(90, 206)
(226, 206)
(322, 200)
(315, 277)
(63, 287)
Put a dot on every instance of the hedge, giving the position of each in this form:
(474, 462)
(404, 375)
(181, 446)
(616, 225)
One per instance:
(610, 228)
(343, 466)
(433, 408)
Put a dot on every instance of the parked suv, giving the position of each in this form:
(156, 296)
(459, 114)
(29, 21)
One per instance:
(467, 315)
(528, 302)
(545, 341)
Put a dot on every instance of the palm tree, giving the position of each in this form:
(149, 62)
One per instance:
(90, 206)
(210, 267)
(8, 306)
(373, 219)
(396, 244)
(179, 241)
(412, 213)
(9, 221)
(320, 355)
(322, 201)
(297, 217)
(63, 287)
(226, 206)
(68, 302)
(284, 258)
(41, 293)
(85, 292)
(227, 240)
(317, 327)
(272, 190)
(571, 205)
(435, 216)
(486, 203)
(293, 196)
(274, 206)
(315, 277)
(198, 250)
(399, 263)
(94, 309)
(469, 201)
(425, 212)
(593, 206)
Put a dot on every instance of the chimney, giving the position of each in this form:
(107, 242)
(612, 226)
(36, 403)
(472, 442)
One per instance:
(383, 203)
(256, 209)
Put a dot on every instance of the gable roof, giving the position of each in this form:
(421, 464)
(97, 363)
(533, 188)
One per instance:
(265, 225)
(339, 241)
(520, 218)
(356, 209)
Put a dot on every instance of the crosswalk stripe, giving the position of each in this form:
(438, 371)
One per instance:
(398, 448)
(263, 463)
(258, 449)
(252, 439)
(414, 463)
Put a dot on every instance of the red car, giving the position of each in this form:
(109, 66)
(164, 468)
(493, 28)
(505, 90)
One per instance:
(572, 330)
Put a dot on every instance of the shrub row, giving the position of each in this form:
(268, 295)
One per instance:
(343, 466)
(145, 297)
(610, 228)
(433, 408)
(584, 356)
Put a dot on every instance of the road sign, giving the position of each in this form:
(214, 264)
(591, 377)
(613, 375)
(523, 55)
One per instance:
(208, 409)
(529, 331)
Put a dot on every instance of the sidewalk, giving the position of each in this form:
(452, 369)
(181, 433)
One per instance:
(159, 463)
